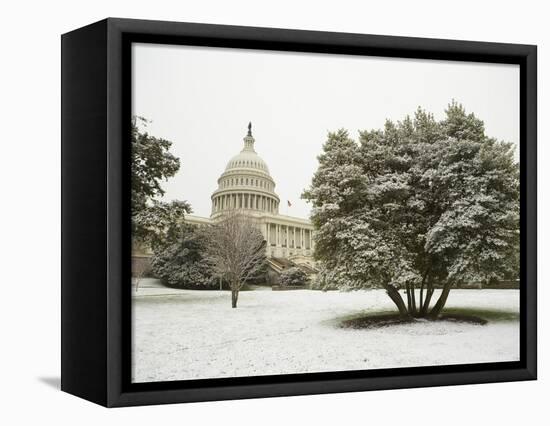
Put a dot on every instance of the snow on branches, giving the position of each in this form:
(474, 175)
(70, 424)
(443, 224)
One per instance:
(416, 205)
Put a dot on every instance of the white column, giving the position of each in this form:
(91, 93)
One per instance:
(288, 236)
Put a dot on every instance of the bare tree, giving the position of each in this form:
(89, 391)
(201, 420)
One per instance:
(235, 248)
(139, 268)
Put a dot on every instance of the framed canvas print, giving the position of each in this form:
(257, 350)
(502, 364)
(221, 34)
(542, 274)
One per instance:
(254, 212)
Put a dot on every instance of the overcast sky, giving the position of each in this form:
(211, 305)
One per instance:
(202, 99)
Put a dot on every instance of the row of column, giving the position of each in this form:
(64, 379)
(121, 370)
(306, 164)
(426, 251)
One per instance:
(288, 236)
(244, 201)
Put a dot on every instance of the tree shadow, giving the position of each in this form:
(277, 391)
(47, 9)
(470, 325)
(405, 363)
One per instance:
(473, 316)
(490, 315)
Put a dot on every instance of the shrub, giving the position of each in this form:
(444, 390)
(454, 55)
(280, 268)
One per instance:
(293, 277)
(180, 263)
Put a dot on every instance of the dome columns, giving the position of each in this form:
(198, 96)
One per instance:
(244, 200)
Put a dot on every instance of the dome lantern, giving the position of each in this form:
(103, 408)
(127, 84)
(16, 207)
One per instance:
(249, 139)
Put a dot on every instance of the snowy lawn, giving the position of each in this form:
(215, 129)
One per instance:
(189, 334)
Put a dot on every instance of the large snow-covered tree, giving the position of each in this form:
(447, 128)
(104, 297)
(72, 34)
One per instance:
(416, 205)
(151, 163)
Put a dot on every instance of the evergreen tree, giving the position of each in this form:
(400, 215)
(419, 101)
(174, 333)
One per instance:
(178, 260)
(416, 205)
(159, 223)
(151, 162)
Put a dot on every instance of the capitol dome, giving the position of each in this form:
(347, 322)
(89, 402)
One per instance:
(248, 160)
(246, 183)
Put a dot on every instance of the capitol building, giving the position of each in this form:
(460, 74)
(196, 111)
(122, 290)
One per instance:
(247, 185)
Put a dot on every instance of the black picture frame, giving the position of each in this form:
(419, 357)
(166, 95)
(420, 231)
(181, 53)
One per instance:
(96, 248)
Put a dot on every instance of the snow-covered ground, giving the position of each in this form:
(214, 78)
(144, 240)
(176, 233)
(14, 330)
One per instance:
(189, 334)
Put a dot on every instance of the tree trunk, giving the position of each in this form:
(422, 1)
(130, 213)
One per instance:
(413, 300)
(421, 302)
(234, 295)
(429, 294)
(426, 305)
(438, 307)
(394, 295)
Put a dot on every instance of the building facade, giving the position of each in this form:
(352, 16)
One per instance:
(246, 185)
